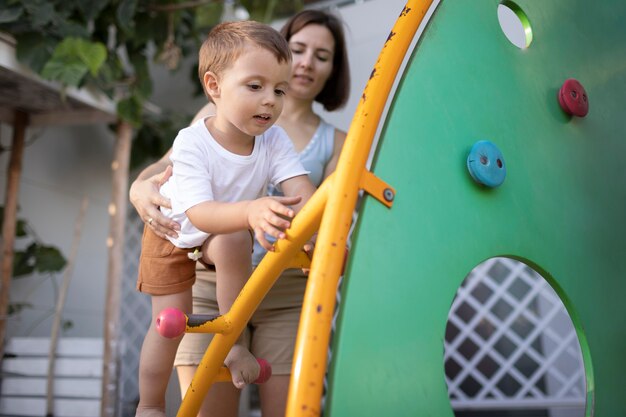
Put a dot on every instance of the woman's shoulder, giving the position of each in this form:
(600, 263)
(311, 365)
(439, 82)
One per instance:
(329, 129)
(331, 134)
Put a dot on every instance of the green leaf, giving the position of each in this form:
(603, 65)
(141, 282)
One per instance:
(149, 28)
(126, 14)
(64, 71)
(70, 28)
(130, 110)
(37, 257)
(110, 73)
(143, 82)
(92, 54)
(20, 228)
(10, 14)
(15, 308)
(91, 9)
(34, 50)
(71, 60)
(208, 15)
(41, 15)
(48, 259)
(24, 262)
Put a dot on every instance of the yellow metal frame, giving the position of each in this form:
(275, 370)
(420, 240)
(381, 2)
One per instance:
(336, 207)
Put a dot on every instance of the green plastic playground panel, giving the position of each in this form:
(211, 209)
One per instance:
(561, 208)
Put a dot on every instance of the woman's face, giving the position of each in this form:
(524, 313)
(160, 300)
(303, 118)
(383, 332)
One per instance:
(313, 49)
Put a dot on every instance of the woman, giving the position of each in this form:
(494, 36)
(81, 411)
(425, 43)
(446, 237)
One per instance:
(320, 73)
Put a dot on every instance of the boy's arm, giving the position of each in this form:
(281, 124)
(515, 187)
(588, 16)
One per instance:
(263, 215)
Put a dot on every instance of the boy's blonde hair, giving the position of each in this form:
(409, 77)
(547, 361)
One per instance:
(226, 41)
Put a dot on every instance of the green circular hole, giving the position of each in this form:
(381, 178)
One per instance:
(515, 24)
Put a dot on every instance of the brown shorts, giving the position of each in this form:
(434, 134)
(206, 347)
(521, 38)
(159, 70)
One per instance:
(271, 332)
(164, 268)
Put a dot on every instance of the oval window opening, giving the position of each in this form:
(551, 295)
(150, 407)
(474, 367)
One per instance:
(515, 24)
(511, 348)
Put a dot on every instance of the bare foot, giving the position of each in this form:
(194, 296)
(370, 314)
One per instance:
(150, 412)
(243, 366)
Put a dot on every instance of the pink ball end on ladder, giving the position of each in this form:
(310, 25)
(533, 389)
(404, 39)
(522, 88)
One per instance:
(171, 322)
(266, 371)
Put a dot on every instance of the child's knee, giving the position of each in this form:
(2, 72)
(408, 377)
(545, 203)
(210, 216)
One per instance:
(238, 241)
(235, 244)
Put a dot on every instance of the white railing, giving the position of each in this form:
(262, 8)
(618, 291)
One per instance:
(510, 343)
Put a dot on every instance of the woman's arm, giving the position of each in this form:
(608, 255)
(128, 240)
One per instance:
(300, 186)
(145, 196)
(303, 187)
(340, 138)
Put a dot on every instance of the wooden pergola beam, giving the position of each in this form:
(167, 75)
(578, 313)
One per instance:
(115, 243)
(9, 220)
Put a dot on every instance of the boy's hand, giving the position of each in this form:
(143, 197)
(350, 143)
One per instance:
(270, 215)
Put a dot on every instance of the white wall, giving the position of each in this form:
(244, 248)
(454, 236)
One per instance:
(60, 167)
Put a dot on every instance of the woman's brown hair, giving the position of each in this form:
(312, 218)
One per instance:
(335, 93)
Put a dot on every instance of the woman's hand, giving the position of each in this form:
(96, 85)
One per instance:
(145, 197)
(308, 248)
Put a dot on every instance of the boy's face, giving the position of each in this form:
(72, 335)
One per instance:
(249, 94)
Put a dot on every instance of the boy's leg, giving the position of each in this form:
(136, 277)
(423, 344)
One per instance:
(232, 256)
(273, 396)
(222, 400)
(157, 357)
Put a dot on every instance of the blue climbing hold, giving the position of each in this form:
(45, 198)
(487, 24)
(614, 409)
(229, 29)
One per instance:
(486, 164)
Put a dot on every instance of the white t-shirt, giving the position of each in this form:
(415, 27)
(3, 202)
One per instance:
(204, 171)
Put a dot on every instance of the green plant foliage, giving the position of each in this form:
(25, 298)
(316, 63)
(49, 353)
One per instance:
(149, 143)
(37, 257)
(206, 15)
(10, 14)
(125, 14)
(109, 44)
(72, 59)
(129, 109)
(16, 308)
